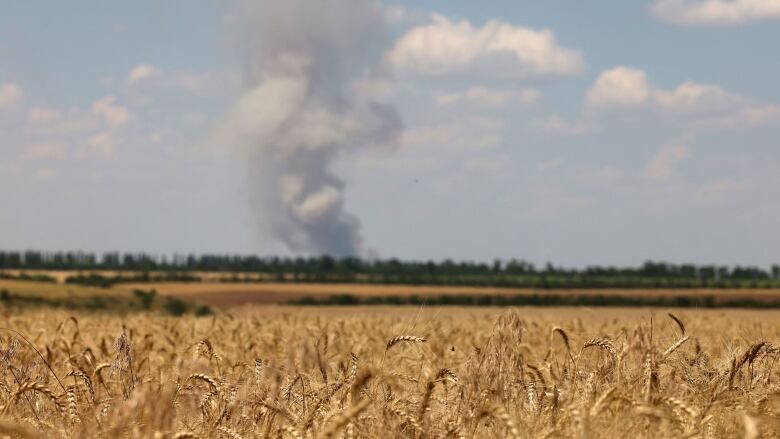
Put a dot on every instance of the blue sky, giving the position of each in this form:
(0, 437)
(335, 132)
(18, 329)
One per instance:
(580, 133)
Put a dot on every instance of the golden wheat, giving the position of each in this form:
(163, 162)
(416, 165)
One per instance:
(298, 373)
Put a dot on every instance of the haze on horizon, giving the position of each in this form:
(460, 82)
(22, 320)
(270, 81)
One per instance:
(601, 133)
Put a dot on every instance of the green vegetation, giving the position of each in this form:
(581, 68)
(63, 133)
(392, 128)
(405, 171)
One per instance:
(28, 277)
(175, 307)
(146, 297)
(104, 281)
(538, 300)
(120, 302)
(203, 310)
(325, 269)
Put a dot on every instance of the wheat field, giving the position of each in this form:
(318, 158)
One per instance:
(278, 372)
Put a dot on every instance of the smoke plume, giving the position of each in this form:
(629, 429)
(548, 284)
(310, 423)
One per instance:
(300, 111)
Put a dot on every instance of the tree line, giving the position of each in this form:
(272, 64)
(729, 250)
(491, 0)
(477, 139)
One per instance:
(515, 272)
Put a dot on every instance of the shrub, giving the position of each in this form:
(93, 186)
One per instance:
(175, 307)
(203, 310)
(145, 297)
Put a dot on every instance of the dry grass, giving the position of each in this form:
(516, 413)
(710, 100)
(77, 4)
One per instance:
(391, 373)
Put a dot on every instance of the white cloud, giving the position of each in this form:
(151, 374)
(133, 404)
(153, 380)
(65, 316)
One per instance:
(11, 95)
(666, 160)
(624, 87)
(55, 122)
(142, 72)
(690, 97)
(619, 87)
(114, 114)
(375, 88)
(487, 97)
(557, 125)
(745, 117)
(446, 46)
(207, 83)
(529, 96)
(97, 129)
(707, 107)
(102, 144)
(44, 116)
(716, 12)
(399, 15)
(467, 133)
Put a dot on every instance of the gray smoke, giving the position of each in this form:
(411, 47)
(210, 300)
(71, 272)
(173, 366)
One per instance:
(300, 111)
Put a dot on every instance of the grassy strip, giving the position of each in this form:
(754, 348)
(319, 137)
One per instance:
(535, 281)
(538, 300)
(100, 281)
(28, 277)
(538, 281)
(139, 301)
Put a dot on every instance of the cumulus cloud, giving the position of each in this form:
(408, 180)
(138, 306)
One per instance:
(690, 97)
(482, 96)
(114, 114)
(559, 126)
(706, 108)
(11, 95)
(96, 130)
(497, 49)
(400, 15)
(465, 133)
(529, 96)
(102, 144)
(748, 116)
(44, 116)
(63, 122)
(666, 160)
(206, 83)
(716, 12)
(142, 72)
(376, 88)
(624, 87)
(619, 87)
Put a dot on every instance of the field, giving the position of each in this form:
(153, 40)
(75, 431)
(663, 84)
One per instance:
(391, 372)
(222, 289)
(226, 294)
(19, 295)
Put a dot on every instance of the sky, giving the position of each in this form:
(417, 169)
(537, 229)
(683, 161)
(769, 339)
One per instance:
(580, 133)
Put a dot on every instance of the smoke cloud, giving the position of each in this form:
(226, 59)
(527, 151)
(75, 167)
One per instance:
(302, 109)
